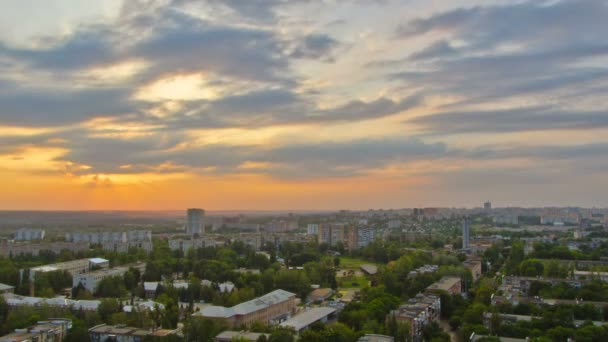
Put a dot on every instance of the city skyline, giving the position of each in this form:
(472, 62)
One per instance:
(302, 105)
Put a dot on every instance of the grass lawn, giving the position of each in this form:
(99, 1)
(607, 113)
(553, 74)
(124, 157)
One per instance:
(353, 282)
(352, 263)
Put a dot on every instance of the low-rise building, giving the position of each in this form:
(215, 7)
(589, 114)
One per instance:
(122, 333)
(91, 280)
(73, 267)
(304, 319)
(52, 330)
(4, 288)
(271, 308)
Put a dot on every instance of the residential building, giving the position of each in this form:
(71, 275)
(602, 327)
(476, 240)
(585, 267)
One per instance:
(271, 308)
(312, 229)
(559, 217)
(308, 316)
(11, 248)
(282, 226)
(394, 224)
(254, 240)
(25, 234)
(53, 330)
(487, 205)
(195, 221)
(195, 243)
(451, 285)
(473, 265)
(122, 333)
(352, 237)
(418, 313)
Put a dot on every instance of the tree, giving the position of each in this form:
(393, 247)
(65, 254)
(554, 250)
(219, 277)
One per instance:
(107, 307)
(281, 335)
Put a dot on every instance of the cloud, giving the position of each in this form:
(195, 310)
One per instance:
(145, 154)
(510, 120)
(316, 46)
(57, 107)
(281, 107)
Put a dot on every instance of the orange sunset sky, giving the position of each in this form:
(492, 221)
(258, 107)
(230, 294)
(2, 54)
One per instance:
(271, 104)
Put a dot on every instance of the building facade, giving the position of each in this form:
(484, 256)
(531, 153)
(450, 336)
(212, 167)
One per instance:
(271, 308)
(195, 224)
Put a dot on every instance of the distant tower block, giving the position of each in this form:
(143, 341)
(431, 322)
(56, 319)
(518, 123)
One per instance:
(466, 233)
(487, 205)
(196, 221)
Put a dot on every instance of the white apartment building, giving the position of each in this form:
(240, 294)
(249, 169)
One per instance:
(25, 234)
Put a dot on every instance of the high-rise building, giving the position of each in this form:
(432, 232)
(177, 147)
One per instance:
(196, 221)
(466, 232)
(487, 205)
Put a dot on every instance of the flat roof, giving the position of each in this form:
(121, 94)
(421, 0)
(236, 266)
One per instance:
(444, 283)
(4, 287)
(376, 338)
(229, 335)
(308, 317)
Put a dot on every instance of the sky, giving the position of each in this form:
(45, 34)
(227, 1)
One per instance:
(302, 104)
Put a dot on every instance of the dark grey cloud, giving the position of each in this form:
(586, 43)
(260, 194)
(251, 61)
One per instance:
(88, 47)
(316, 46)
(57, 107)
(548, 41)
(543, 153)
(544, 24)
(510, 120)
(279, 107)
(441, 48)
(106, 155)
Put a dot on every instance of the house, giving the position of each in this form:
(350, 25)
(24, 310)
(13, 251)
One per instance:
(369, 269)
(150, 288)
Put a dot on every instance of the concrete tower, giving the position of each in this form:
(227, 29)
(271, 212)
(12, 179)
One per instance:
(196, 221)
(466, 232)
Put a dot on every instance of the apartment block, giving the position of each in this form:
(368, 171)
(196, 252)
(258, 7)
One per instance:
(11, 248)
(418, 313)
(53, 330)
(25, 234)
(451, 285)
